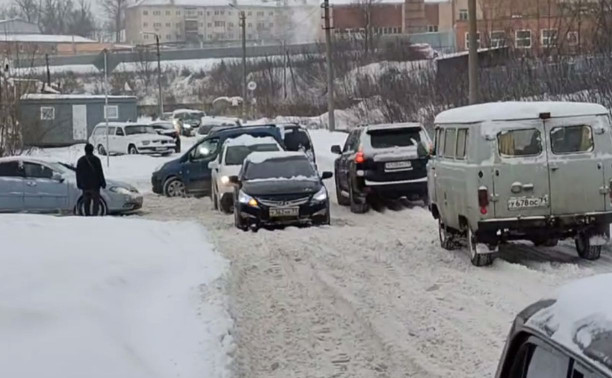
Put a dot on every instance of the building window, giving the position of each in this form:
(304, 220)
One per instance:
(208, 13)
(111, 111)
(157, 25)
(210, 24)
(146, 36)
(47, 113)
(463, 15)
(216, 13)
(432, 28)
(168, 37)
(179, 25)
(145, 24)
(260, 14)
(572, 38)
(201, 24)
(222, 12)
(210, 36)
(231, 25)
(168, 24)
(549, 37)
(523, 39)
(229, 13)
(250, 13)
(250, 36)
(467, 40)
(271, 25)
(178, 13)
(219, 24)
(231, 35)
(250, 25)
(200, 13)
(271, 14)
(168, 13)
(156, 13)
(498, 39)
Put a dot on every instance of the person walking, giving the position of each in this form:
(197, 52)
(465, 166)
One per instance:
(90, 178)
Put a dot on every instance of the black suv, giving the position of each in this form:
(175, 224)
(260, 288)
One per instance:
(388, 160)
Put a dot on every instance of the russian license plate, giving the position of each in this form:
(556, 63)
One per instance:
(160, 149)
(280, 212)
(395, 165)
(517, 203)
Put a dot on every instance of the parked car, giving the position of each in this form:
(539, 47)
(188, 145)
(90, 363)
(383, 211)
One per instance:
(297, 138)
(566, 335)
(387, 160)
(211, 125)
(522, 171)
(187, 120)
(229, 162)
(167, 128)
(46, 186)
(277, 189)
(190, 174)
(130, 138)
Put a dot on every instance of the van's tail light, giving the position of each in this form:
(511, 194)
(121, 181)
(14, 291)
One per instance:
(483, 199)
(359, 157)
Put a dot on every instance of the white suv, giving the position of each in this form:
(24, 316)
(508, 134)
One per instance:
(229, 162)
(130, 138)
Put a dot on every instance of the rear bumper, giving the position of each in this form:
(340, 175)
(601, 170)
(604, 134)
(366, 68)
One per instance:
(397, 188)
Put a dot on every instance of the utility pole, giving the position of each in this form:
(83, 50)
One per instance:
(159, 78)
(106, 106)
(48, 70)
(244, 66)
(330, 68)
(473, 57)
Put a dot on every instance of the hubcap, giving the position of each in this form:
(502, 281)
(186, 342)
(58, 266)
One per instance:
(471, 243)
(176, 189)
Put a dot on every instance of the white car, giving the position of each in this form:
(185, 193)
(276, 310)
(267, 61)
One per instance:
(229, 162)
(130, 138)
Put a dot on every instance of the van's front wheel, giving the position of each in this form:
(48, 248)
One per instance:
(446, 241)
(477, 259)
(585, 249)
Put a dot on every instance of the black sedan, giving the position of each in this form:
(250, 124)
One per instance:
(167, 128)
(279, 189)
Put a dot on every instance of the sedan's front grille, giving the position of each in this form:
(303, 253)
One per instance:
(283, 203)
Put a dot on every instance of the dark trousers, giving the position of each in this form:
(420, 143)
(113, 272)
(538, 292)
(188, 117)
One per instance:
(91, 201)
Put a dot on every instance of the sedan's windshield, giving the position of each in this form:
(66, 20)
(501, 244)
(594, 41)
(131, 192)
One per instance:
(235, 155)
(133, 130)
(285, 168)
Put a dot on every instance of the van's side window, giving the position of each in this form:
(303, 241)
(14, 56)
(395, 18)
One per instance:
(440, 138)
(462, 137)
(450, 137)
(120, 131)
(571, 139)
(437, 142)
(515, 143)
(352, 141)
(545, 363)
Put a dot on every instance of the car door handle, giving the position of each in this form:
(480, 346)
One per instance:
(554, 168)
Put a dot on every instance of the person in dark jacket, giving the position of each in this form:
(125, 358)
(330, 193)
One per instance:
(90, 178)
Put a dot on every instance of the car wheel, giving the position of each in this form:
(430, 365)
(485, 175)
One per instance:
(101, 150)
(342, 200)
(79, 209)
(357, 208)
(446, 241)
(238, 221)
(477, 259)
(585, 249)
(226, 207)
(132, 150)
(174, 187)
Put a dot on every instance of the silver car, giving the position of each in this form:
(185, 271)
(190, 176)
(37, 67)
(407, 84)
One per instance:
(45, 186)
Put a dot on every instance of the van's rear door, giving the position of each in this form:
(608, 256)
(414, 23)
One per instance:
(577, 179)
(520, 174)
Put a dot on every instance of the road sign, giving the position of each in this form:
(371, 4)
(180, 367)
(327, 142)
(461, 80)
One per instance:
(252, 85)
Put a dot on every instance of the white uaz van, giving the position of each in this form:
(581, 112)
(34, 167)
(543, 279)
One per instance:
(538, 171)
(130, 138)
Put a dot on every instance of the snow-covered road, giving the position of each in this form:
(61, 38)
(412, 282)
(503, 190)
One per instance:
(372, 295)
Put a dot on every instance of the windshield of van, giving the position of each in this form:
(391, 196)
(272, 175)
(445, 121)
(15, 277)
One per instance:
(285, 168)
(570, 139)
(524, 142)
(235, 155)
(133, 130)
(395, 137)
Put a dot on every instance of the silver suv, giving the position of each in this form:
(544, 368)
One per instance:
(522, 171)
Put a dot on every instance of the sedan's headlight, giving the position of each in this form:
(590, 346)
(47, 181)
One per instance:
(247, 199)
(120, 190)
(321, 195)
(146, 142)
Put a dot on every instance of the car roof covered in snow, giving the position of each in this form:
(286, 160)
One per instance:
(29, 159)
(260, 157)
(580, 319)
(249, 140)
(387, 126)
(510, 111)
(122, 124)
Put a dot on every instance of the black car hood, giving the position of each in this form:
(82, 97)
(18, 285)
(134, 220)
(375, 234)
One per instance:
(279, 187)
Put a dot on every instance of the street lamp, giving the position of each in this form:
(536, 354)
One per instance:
(244, 69)
(159, 83)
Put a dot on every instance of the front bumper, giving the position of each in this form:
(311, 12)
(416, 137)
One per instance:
(308, 213)
(124, 203)
(157, 183)
(166, 148)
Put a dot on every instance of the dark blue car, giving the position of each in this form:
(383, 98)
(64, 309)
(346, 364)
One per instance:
(189, 174)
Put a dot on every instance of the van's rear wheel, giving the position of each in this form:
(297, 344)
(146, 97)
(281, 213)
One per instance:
(477, 259)
(585, 249)
(101, 150)
(446, 241)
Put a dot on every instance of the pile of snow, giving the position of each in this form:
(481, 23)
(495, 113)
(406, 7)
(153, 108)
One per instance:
(260, 157)
(108, 297)
(249, 140)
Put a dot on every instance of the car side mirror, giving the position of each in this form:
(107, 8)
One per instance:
(57, 177)
(234, 180)
(336, 150)
(212, 165)
(327, 175)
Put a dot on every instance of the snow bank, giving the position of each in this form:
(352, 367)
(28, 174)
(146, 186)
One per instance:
(108, 297)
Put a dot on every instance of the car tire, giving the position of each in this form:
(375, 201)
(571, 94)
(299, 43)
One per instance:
(446, 241)
(477, 259)
(357, 208)
(585, 249)
(101, 150)
(342, 200)
(239, 222)
(174, 187)
(79, 209)
(132, 150)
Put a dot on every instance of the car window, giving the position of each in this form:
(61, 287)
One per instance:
(10, 169)
(462, 143)
(205, 150)
(437, 141)
(571, 139)
(139, 129)
(450, 136)
(34, 170)
(111, 131)
(352, 141)
(120, 131)
(296, 139)
(580, 371)
(546, 363)
(389, 138)
(235, 155)
(524, 142)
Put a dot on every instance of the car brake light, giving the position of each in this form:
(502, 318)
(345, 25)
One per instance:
(483, 199)
(359, 157)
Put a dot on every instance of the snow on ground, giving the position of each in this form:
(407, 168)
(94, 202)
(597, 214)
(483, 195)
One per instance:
(108, 297)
